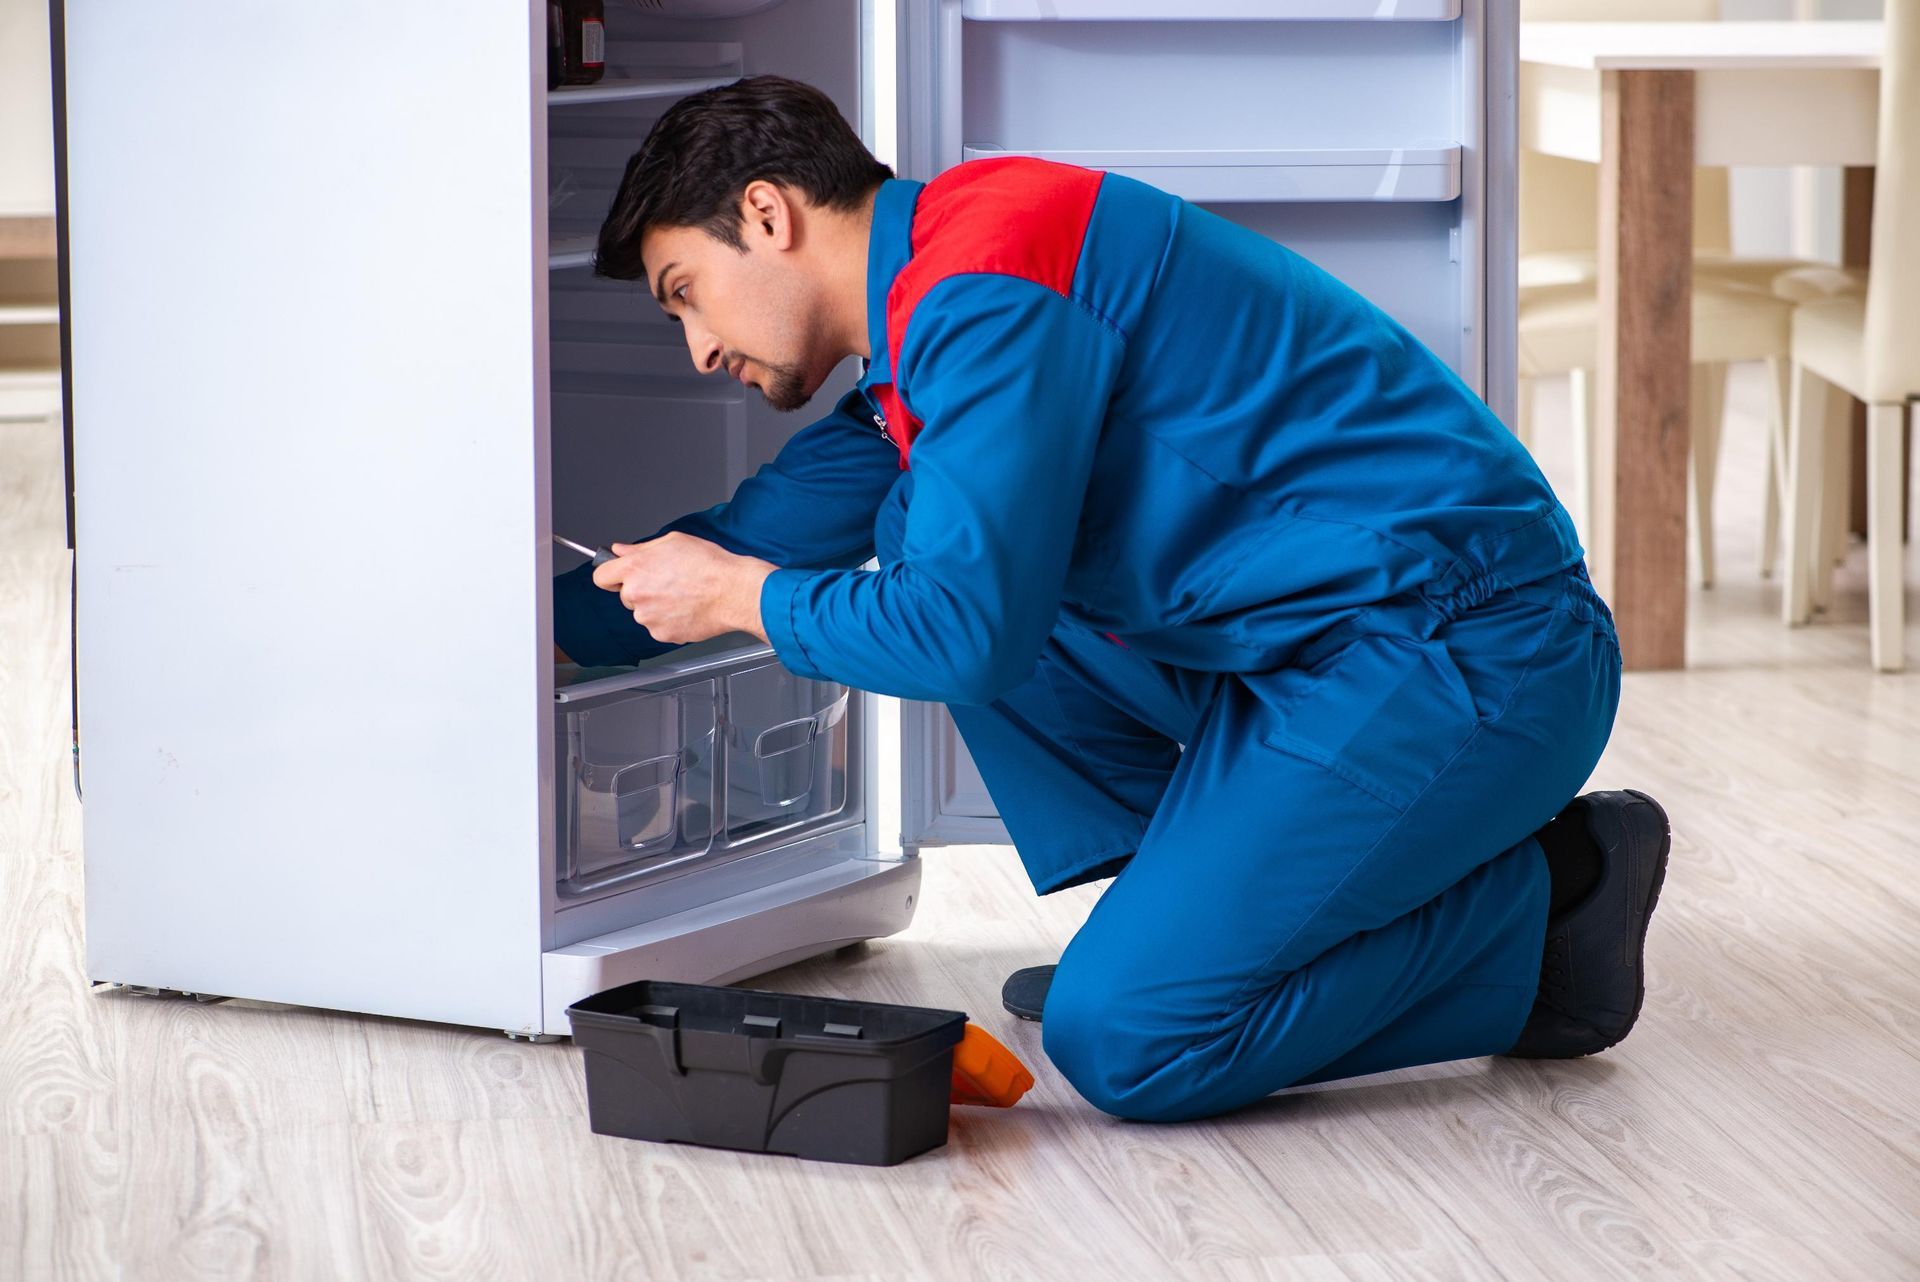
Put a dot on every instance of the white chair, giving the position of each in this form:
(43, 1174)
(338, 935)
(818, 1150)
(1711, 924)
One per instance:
(1740, 311)
(1559, 221)
(1869, 348)
(1559, 334)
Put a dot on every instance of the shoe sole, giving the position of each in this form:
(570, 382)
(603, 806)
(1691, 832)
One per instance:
(1023, 982)
(1646, 924)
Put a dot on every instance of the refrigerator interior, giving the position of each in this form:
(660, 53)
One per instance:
(714, 753)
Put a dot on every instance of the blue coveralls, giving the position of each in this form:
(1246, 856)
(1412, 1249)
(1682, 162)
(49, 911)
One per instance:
(1236, 593)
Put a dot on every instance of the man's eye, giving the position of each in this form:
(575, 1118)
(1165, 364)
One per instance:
(680, 295)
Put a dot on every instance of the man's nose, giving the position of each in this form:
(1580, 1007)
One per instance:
(707, 350)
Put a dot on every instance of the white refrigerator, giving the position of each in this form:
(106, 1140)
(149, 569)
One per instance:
(338, 370)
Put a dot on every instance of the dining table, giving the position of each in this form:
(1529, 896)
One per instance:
(1647, 102)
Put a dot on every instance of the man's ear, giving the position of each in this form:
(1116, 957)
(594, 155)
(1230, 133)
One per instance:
(769, 213)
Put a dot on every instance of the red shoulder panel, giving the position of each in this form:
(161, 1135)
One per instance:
(1014, 216)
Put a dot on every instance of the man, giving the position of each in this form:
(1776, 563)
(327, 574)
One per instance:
(1237, 595)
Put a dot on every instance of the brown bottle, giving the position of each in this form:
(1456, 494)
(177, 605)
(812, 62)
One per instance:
(576, 41)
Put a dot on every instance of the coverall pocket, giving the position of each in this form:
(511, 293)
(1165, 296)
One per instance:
(1385, 713)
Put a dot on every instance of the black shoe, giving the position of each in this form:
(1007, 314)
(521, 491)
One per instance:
(1025, 992)
(1593, 969)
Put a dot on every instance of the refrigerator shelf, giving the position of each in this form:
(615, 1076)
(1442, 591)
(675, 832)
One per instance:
(1211, 10)
(611, 90)
(701, 658)
(1428, 172)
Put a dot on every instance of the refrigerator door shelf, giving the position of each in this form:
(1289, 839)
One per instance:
(629, 90)
(1430, 171)
(1244, 107)
(725, 940)
(1204, 10)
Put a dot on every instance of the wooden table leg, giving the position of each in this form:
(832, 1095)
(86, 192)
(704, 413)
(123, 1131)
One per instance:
(1646, 296)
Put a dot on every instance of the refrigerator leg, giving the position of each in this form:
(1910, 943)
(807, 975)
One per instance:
(538, 1039)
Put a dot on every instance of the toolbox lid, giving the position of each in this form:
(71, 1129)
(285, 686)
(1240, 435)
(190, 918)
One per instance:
(825, 1022)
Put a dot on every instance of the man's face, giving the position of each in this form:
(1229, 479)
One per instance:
(751, 315)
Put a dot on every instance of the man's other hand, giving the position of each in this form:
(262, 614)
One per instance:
(681, 588)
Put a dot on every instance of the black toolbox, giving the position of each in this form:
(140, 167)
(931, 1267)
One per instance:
(813, 1077)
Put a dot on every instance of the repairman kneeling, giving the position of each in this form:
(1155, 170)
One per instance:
(1238, 595)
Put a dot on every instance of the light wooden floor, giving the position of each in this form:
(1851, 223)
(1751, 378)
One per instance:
(1761, 1123)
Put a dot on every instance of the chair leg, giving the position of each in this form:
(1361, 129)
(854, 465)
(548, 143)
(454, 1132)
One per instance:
(1582, 392)
(1836, 499)
(1806, 449)
(1774, 498)
(1707, 406)
(1886, 490)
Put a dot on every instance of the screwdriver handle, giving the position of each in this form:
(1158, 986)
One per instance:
(599, 555)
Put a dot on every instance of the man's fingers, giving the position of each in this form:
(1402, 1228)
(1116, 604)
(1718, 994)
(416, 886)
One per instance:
(623, 566)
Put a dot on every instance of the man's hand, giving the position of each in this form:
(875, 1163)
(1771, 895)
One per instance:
(681, 588)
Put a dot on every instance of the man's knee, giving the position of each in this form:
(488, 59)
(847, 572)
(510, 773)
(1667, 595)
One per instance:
(1130, 1057)
(1096, 1049)
(1121, 1056)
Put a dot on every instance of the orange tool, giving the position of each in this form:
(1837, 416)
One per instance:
(985, 1072)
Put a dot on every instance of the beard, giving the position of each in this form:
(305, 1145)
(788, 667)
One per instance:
(786, 387)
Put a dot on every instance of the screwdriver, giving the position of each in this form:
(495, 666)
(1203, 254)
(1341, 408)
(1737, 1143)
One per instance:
(599, 556)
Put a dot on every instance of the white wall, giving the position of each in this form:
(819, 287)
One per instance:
(26, 109)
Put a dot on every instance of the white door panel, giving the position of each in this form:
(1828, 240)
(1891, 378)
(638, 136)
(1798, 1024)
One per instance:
(309, 477)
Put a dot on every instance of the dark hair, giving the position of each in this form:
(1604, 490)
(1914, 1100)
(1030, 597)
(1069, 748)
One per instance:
(699, 157)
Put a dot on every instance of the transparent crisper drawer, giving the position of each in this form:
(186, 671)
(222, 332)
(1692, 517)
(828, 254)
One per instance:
(637, 777)
(786, 750)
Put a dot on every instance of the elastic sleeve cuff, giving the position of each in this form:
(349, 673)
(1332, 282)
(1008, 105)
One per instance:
(779, 615)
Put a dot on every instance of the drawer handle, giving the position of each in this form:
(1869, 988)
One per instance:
(643, 776)
(791, 736)
(656, 826)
